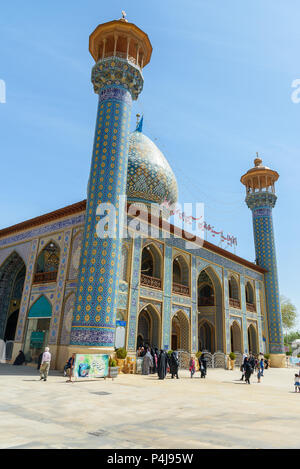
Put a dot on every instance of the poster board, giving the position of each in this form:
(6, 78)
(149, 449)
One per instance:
(90, 366)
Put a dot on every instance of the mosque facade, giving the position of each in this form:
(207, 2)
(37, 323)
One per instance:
(64, 285)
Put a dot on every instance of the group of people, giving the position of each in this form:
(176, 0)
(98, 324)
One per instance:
(202, 366)
(158, 361)
(251, 364)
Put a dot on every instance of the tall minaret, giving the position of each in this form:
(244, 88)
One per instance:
(120, 50)
(261, 199)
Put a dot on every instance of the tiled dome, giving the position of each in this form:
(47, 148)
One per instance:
(150, 177)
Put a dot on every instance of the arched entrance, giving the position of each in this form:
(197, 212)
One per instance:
(12, 278)
(206, 337)
(180, 332)
(37, 328)
(149, 327)
(236, 337)
(252, 339)
(210, 304)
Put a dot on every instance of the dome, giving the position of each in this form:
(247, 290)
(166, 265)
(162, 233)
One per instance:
(150, 178)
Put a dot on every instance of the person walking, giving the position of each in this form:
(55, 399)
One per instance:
(192, 366)
(45, 365)
(162, 365)
(297, 383)
(242, 367)
(203, 366)
(248, 370)
(174, 365)
(261, 366)
(147, 363)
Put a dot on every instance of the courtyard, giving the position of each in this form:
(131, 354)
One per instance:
(135, 411)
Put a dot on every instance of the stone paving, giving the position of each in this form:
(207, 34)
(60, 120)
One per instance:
(136, 411)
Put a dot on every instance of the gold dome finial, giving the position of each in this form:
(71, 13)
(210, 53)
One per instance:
(123, 16)
(257, 161)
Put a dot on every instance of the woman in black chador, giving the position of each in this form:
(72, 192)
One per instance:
(20, 359)
(162, 365)
(248, 370)
(174, 364)
(203, 366)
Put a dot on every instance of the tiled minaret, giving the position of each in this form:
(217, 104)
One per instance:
(261, 199)
(120, 50)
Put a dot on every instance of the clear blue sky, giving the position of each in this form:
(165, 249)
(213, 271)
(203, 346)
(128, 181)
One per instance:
(217, 90)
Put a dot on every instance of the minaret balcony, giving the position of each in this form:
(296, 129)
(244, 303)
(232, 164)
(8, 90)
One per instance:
(121, 55)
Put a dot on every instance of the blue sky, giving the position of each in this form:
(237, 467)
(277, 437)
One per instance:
(217, 90)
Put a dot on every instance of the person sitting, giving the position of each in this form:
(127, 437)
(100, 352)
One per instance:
(20, 359)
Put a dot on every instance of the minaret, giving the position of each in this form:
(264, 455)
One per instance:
(120, 50)
(261, 199)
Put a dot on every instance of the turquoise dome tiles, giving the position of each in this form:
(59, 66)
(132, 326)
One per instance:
(150, 177)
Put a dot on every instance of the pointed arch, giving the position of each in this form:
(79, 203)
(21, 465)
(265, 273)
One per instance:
(12, 278)
(206, 335)
(214, 299)
(180, 331)
(149, 326)
(41, 308)
(252, 339)
(181, 275)
(47, 263)
(236, 337)
(151, 266)
(250, 297)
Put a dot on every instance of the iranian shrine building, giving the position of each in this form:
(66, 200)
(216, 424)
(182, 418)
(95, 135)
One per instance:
(63, 286)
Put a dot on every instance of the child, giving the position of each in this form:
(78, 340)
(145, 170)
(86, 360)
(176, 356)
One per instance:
(192, 367)
(297, 383)
(259, 374)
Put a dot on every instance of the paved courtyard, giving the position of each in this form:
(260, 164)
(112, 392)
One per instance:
(136, 411)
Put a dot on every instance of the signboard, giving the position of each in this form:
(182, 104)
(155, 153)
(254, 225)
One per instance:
(91, 366)
(37, 339)
(294, 361)
(121, 323)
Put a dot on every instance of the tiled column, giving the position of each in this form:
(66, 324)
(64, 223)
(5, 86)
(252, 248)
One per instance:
(166, 319)
(98, 281)
(244, 314)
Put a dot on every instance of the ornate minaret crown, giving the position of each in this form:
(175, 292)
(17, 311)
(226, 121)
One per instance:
(120, 50)
(260, 198)
(259, 182)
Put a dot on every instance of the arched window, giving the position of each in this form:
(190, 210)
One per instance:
(180, 276)
(12, 278)
(233, 289)
(151, 267)
(206, 295)
(249, 292)
(47, 264)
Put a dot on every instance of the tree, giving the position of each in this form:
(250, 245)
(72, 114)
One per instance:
(288, 313)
